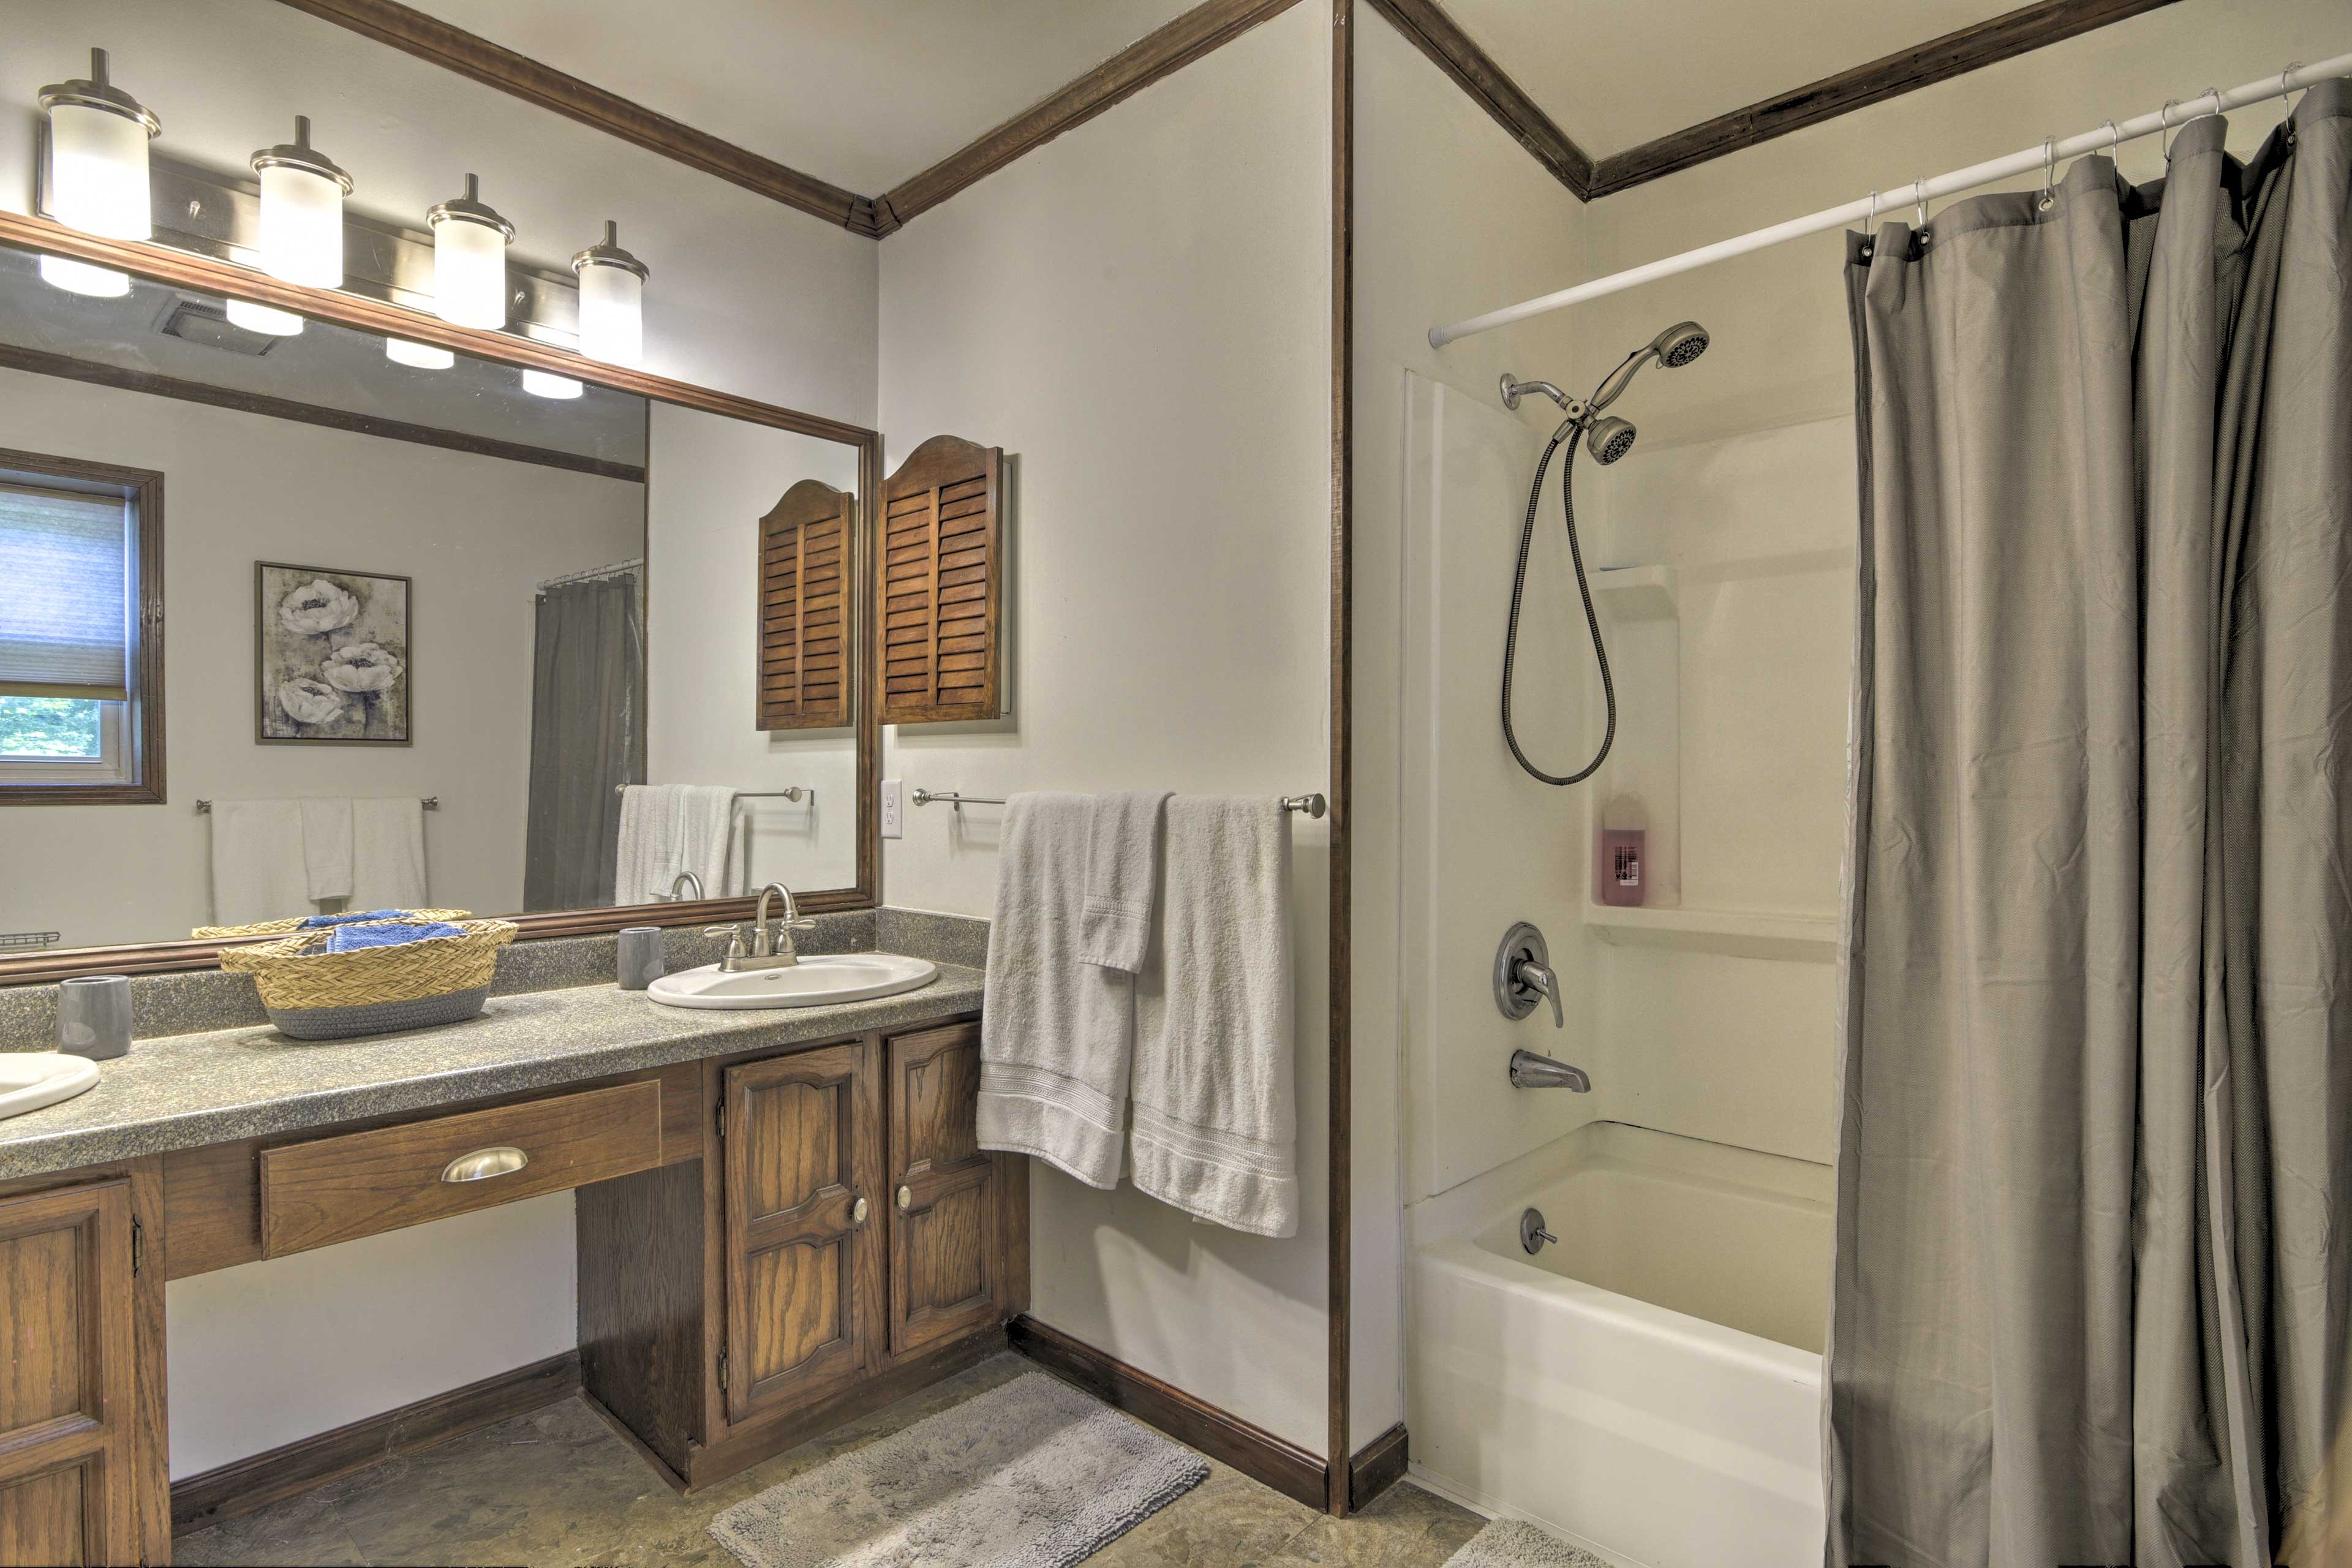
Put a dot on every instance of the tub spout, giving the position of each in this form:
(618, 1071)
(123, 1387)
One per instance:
(1530, 1070)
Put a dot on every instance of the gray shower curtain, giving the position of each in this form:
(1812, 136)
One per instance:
(587, 739)
(2091, 1304)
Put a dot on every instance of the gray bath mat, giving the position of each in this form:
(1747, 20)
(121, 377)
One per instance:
(1515, 1543)
(1032, 1474)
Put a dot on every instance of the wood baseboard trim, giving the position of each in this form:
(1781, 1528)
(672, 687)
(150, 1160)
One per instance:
(1251, 1449)
(1378, 1466)
(259, 1480)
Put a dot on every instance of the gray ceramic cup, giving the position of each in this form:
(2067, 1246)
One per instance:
(94, 1016)
(642, 961)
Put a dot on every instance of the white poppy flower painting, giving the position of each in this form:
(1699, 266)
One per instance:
(333, 649)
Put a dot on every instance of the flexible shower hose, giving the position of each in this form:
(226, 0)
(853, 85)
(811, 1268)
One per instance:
(1519, 588)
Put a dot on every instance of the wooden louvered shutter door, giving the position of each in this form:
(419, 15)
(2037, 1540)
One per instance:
(804, 608)
(942, 557)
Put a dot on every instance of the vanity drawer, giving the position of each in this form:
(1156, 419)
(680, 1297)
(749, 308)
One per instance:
(336, 1189)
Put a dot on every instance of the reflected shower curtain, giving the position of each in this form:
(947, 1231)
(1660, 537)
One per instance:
(2091, 1303)
(587, 739)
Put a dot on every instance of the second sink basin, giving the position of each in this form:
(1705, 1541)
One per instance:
(815, 981)
(31, 1079)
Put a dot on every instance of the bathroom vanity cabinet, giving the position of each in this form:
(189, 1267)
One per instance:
(771, 1242)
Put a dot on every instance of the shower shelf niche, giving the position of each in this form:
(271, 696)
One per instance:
(1635, 593)
(1740, 932)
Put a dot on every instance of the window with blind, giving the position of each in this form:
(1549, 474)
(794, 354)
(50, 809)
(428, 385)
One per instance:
(80, 630)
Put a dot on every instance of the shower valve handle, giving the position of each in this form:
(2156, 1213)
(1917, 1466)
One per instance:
(1537, 978)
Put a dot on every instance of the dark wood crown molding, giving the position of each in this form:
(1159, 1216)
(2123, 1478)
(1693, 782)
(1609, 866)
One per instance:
(2013, 33)
(1438, 35)
(1197, 32)
(413, 32)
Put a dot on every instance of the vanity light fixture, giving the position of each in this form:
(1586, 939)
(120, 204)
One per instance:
(97, 165)
(611, 301)
(470, 260)
(303, 194)
(541, 384)
(423, 356)
(255, 318)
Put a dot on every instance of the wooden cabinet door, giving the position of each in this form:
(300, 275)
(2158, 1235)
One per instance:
(948, 1247)
(68, 1383)
(803, 1270)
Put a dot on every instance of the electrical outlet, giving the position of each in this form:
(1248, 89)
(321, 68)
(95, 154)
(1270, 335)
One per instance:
(893, 823)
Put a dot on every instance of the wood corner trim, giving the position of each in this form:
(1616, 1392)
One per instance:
(1427, 27)
(1378, 1466)
(1199, 31)
(244, 1485)
(1249, 1448)
(413, 32)
(2013, 33)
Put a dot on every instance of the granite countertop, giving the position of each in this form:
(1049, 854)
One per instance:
(182, 1092)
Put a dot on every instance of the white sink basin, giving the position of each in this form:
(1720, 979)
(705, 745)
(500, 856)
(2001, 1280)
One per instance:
(813, 982)
(30, 1080)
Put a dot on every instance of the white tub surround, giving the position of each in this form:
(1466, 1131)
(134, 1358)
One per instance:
(1650, 1386)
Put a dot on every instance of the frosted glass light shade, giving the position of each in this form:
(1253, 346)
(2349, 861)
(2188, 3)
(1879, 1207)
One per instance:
(255, 318)
(82, 278)
(424, 356)
(539, 384)
(301, 227)
(97, 161)
(470, 274)
(612, 315)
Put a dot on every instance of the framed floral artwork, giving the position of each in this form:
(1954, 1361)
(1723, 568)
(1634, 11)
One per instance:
(332, 650)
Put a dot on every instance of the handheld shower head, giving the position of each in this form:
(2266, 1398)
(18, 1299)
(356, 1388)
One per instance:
(1610, 438)
(1679, 345)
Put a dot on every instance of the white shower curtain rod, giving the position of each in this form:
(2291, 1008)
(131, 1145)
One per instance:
(2107, 136)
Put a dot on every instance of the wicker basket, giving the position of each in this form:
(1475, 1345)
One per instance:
(314, 994)
(285, 927)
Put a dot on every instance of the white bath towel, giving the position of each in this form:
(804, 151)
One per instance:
(1216, 1128)
(1058, 1033)
(669, 828)
(327, 845)
(258, 873)
(1122, 878)
(388, 854)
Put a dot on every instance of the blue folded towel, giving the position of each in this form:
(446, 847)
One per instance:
(317, 920)
(388, 933)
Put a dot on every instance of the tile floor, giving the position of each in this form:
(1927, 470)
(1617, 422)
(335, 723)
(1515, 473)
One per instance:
(555, 1488)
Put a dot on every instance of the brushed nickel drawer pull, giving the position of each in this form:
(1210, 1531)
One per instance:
(480, 1165)
(905, 1198)
(858, 1212)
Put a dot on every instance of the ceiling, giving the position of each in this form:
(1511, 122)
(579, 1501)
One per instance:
(1616, 73)
(864, 95)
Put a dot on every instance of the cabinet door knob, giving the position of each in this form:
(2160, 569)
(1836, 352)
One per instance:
(905, 1198)
(483, 1164)
(857, 1212)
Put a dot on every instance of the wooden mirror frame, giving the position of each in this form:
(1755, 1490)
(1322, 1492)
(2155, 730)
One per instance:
(183, 269)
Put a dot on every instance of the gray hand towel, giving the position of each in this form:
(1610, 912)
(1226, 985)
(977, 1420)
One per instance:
(1058, 1034)
(1122, 878)
(1216, 1127)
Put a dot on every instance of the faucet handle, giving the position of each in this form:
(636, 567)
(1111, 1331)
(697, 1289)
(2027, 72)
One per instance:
(1538, 977)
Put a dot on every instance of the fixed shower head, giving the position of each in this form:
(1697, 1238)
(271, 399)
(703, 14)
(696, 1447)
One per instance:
(1679, 345)
(1610, 438)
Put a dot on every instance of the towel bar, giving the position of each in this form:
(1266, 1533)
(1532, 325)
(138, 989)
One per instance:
(430, 802)
(1312, 804)
(792, 793)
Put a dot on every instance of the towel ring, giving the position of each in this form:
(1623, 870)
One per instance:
(2049, 174)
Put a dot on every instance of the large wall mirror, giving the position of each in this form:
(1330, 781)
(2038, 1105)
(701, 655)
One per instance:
(315, 625)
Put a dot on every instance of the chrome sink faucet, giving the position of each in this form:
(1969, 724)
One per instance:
(772, 945)
(688, 879)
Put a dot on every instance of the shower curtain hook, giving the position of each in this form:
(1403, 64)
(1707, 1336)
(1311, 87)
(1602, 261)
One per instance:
(1919, 194)
(1870, 227)
(2049, 174)
(2284, 86)
(2115, 142)
(2164, 119)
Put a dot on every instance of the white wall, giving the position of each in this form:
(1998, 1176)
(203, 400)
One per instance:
(746, 296)
(241, 488)
(1452, 841)
(710, 480)
(1136, 314)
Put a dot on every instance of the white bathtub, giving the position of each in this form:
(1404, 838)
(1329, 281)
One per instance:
(1649, 1388)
